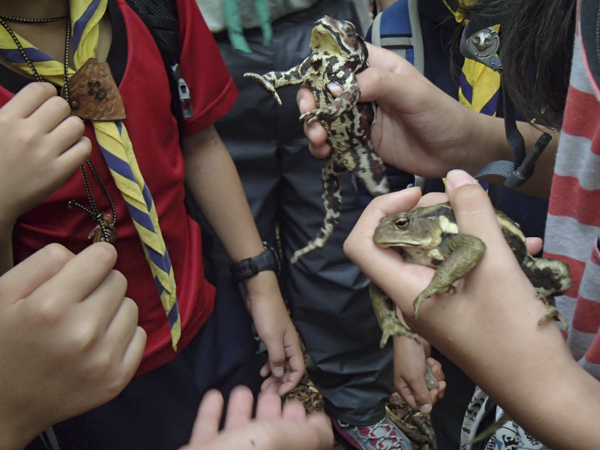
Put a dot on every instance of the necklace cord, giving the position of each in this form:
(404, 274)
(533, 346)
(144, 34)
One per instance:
(108, 233)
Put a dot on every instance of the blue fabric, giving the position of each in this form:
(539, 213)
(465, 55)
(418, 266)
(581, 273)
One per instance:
(395, 20)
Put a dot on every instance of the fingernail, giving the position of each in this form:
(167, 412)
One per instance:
(278, 371)
(458, 178)
(334, 88)
(426, 408)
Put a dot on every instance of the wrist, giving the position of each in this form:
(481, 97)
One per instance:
(486, 141)
(261, 283)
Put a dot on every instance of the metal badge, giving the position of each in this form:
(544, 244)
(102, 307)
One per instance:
(484, 44)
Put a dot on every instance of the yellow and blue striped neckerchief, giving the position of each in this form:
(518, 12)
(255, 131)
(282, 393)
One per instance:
(114, 144)
(479, 86)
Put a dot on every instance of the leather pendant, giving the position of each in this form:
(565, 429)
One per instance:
(93, 93)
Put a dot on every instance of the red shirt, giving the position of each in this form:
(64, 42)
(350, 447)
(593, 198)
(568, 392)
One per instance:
(153, 131)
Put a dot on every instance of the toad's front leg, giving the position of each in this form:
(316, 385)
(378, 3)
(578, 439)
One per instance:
(464, 252)
(271, 81)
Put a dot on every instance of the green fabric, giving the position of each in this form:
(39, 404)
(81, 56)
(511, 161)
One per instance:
(235, 30)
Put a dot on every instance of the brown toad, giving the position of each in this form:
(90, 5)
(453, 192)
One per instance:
(429, 236)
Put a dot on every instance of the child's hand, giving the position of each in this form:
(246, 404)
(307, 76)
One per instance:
(410, 360)
(69, 339)
(275, 328)
(41, 147)
(275, 426)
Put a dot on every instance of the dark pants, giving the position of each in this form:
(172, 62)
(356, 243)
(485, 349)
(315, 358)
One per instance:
(327, 294)
(157, 410)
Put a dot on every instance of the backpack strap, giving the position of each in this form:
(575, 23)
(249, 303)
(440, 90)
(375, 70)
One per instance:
(161, 19)
(398, 28)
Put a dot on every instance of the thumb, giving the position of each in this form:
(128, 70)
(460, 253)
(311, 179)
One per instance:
(276, 357)
(385, 87)
(421, 394)
(473, 210)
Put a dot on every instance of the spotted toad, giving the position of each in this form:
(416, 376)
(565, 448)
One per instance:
(338, 53)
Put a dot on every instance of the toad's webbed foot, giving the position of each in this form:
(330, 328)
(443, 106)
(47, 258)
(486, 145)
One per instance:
(263, 82)
(551, 312)
(429, 292)
(327, 115)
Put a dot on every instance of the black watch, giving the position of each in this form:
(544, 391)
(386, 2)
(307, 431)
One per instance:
(267, 260)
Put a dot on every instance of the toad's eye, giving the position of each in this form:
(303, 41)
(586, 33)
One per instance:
(402, 223)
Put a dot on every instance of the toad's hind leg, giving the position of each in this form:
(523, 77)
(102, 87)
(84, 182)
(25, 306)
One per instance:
(332, 200)
(371, 171)
(385, 311)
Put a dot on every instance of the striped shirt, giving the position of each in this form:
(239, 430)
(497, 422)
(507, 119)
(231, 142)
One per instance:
(574, 215)
(571, 236)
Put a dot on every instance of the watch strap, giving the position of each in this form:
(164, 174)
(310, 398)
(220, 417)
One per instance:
(267, 260)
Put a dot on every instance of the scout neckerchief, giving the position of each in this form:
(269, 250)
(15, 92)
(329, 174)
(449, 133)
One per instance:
(113, 141)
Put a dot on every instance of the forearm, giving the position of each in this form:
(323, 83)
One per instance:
(544, 390)
(529, 371)
(215, 185)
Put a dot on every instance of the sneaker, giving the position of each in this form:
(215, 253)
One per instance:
(384, 435)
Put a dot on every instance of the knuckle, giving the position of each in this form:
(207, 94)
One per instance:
(59, 106)
(48, 313)
(84, 337)
(41, 89)
(102, 365)
(75, 124)
(26, 137)
(131, 307)
(86, 146)
(118, 282)
(56, 254)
